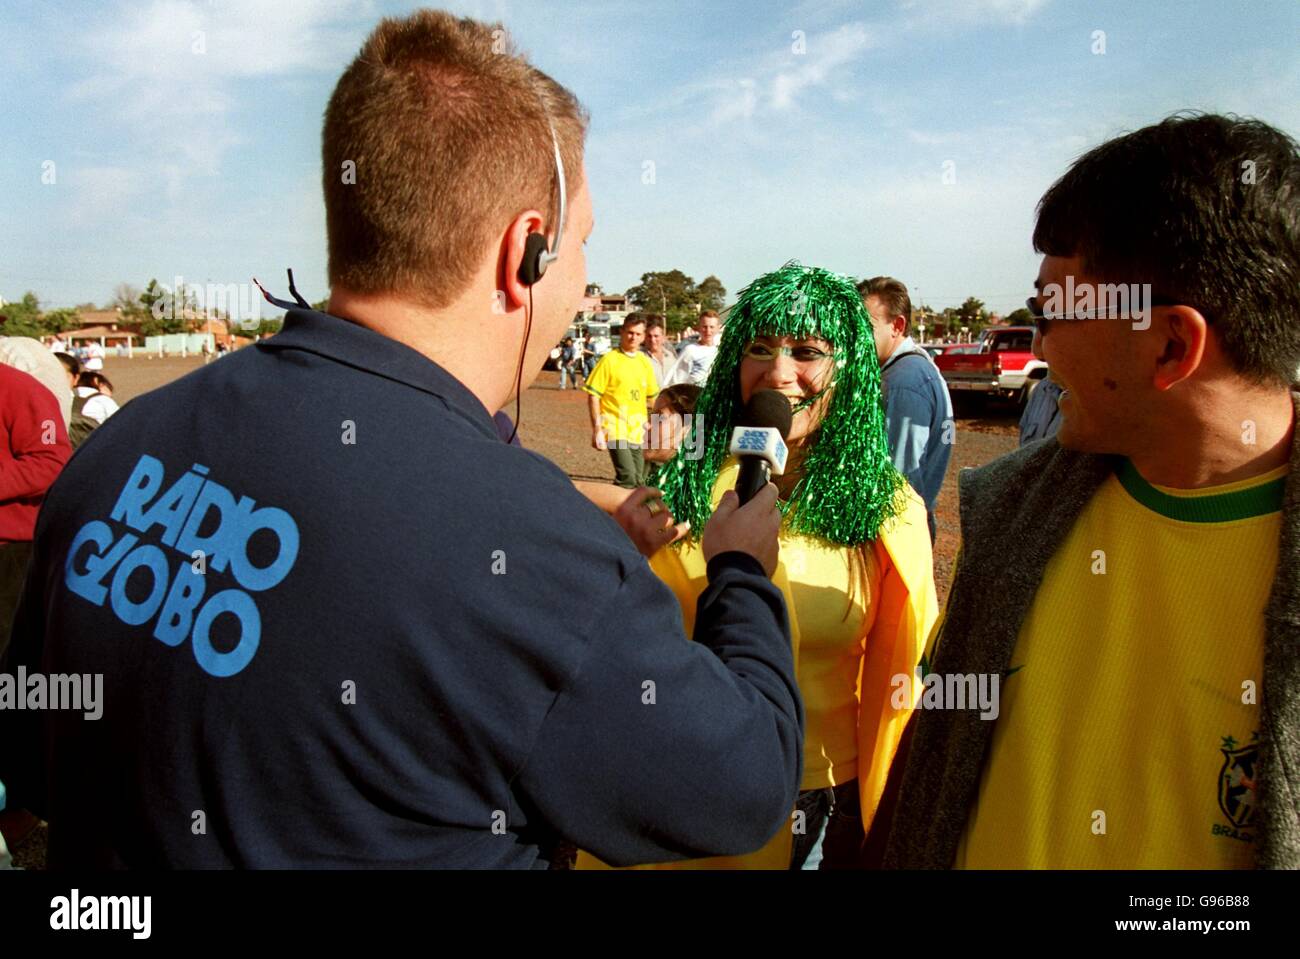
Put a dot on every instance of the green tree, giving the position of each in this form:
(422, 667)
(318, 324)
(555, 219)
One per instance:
(712, 294)
(972, 313)
(674, 295)
(22, 318)
(59, 321)
(1020, 317)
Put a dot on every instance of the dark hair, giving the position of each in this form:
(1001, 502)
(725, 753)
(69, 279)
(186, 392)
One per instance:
(70, 363)
(892, 293)
(654, 322)
(682, 397)
(93, 379)
(1206, 209)
(633, 319)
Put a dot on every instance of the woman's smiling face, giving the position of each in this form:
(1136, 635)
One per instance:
(798, 368)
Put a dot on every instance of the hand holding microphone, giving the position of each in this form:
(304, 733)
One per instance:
(746, 519)
(759, 441)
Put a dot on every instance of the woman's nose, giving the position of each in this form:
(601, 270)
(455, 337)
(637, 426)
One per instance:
(783, 371)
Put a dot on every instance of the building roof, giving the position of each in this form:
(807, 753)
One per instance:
(96, 332)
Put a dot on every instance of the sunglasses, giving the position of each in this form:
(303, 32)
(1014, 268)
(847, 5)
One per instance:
(1041, 319)
(803, 355)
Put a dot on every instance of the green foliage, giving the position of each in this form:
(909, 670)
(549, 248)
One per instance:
(712, 294)
(675, 296)
(25, 318)
(972, 313)
(22, 318)
(60, 321)
(1020, 317)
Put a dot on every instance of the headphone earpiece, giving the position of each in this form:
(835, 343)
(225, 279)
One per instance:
(533, 266)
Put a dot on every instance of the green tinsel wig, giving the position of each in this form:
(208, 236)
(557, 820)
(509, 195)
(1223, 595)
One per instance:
(849, 485)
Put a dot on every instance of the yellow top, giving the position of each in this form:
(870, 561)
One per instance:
(1126, 737)
(625, 385)
(851, 634)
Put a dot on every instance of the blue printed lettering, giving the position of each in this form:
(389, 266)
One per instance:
(240, 605)
(286, 531)
(136, 614)
(178, 514)
(142, 485)
(88, 584)
(178, 608)
(172, 508)
(213, 495)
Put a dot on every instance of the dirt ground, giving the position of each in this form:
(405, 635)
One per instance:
(555, 424)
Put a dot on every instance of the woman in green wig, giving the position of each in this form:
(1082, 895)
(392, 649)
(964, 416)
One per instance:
(855, 566)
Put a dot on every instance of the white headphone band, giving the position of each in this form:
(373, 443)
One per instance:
(550, 256)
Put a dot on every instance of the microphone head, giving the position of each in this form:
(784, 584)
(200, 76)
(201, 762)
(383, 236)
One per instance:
(767, 409)
(762, 428)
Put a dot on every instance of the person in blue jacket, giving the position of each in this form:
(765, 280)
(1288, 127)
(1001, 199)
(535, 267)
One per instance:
(918, 409)
(333, 612)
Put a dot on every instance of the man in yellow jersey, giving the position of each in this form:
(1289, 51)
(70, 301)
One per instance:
(623, 387)
(1130, 590)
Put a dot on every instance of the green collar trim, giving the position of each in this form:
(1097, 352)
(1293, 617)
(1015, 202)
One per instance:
(1216, 508)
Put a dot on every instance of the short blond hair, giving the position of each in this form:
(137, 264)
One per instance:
(446, 130)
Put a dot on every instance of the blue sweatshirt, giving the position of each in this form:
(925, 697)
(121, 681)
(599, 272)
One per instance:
(334, 616)
(918, 419)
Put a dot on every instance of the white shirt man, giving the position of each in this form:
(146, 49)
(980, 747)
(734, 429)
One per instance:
(696, 359)
(94, 356)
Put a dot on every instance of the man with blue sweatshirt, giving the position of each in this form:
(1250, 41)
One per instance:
(343, 635)
(918, 409)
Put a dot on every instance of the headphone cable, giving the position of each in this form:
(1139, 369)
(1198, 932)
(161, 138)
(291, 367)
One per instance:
(519, 372)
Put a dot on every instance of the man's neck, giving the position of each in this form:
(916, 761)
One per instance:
(894, 349)
(1237, 438)
(446, 338)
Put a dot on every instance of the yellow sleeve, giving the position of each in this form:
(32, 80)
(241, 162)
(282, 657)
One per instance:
(598, 382)
(651, 380)
(904, 622)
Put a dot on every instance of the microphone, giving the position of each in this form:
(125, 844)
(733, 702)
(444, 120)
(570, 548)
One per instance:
(759, 441)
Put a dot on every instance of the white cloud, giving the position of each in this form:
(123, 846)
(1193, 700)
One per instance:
(921, 13)
(825, 54)
(166, 74)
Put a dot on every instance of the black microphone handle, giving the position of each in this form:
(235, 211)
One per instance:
(754, 475)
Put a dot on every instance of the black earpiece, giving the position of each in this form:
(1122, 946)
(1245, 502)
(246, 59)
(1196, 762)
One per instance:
(535, 261)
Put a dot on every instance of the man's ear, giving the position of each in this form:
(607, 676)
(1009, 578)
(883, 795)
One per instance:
(1185, 335)
(511, 255)
(900, 325)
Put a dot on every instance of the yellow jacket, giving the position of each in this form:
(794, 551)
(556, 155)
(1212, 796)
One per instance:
(907, 610)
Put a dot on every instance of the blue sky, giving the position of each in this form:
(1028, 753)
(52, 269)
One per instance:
(206, 165)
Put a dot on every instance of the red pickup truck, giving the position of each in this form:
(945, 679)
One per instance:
(1001, 364)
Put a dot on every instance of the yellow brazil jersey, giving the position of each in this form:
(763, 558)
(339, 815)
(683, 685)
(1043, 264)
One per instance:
(1129, 714)
(625, 385)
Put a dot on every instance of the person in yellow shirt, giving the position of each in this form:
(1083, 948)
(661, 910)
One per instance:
(622, 389)
(1131, 587)
(855, 560)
